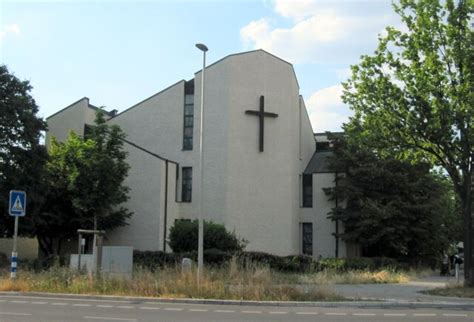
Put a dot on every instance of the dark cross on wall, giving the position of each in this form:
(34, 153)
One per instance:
(261, 115)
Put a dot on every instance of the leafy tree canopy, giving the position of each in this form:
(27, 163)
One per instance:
(414, 97)
(393, 208)
(21, 154)
(84, 186)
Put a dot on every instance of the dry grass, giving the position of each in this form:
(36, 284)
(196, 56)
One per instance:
(354, 277)
(252, 283)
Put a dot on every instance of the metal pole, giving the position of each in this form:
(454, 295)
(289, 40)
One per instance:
(79, 251)
(99, 254)
(203, 48)
(14, 263)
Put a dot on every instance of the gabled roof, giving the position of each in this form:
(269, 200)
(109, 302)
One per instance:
(319, 163)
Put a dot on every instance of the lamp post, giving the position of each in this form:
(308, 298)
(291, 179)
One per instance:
(204, 49)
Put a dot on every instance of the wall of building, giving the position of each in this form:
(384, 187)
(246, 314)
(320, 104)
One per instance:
(144, 180)
(71, 118)
(324, 242)
(261, 201)
(257, 194)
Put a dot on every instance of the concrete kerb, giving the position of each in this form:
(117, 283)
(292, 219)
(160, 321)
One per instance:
(359, 303)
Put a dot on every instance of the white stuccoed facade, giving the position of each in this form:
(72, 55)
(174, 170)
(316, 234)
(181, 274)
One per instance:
(256, 194)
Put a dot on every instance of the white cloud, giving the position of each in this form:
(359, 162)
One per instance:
(326, 110)
(9, 29)
(295, 9)
(320, 31)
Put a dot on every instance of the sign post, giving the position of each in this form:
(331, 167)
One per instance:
(16, 208)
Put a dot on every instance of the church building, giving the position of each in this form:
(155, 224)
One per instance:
(263, 175)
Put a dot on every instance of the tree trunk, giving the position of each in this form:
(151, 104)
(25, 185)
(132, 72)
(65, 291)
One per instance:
(45, 247)
(466, 202)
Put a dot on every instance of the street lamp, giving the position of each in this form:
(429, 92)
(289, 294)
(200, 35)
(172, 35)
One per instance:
(204, 49)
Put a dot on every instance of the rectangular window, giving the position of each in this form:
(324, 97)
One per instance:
(187, 184)
(188, 122)
(307, 190)
(308, 238)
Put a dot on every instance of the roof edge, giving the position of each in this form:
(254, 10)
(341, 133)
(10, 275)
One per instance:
(146, 99)
(70, 105)
(253, 51)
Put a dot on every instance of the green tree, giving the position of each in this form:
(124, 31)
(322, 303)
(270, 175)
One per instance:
(83, 185)
(183, 237)
(392, 208)
(21, 154)
(414, 97)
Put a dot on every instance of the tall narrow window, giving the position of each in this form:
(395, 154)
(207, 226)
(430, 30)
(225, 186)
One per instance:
(188, 115)
(307, 190)
(187, 184)
(307, 238)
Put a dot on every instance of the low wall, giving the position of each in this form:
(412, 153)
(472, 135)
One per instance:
(27, 247)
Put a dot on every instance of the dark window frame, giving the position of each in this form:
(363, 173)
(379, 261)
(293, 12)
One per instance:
(186, 184)
(307, 184)
(188, 122)
(307, 238)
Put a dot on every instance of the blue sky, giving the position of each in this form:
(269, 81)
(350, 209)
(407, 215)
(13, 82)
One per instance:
(117, 53)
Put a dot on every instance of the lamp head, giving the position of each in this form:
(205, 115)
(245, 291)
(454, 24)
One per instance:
(202, 47)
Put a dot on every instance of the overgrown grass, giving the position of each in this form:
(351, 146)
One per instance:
(252, 282)
(355, 277)
(233, 282)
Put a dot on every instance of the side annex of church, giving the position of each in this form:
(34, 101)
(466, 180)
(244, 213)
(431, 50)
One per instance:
(263, 176)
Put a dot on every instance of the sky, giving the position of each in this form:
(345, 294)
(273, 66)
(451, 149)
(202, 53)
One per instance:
(118, 53)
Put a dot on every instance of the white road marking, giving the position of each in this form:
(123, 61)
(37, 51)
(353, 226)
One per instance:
(394, 314)
(148, 308)
(455, 315)
(335, 313)
(198, 310)
(363, 314)
(63, 299)
(59, 303)
(102, 305)
(18, 301)
(424, 314)
(108, 318)
(224, 311)
(38, 302)
(173, 309)
(277, 312)
(81, 304)
(307, 313)
(251, 312)
(124, 307)
(15, 313)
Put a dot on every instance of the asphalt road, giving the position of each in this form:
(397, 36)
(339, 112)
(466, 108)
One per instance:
(48, 309)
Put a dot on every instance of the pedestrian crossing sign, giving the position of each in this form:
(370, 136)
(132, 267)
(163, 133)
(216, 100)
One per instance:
(17, 205)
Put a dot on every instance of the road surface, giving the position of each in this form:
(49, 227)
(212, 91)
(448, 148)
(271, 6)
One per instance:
(51, 309)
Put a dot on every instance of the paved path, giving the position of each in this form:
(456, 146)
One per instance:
(51, 309)
(408, 292)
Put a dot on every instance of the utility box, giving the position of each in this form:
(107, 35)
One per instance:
(116, 260)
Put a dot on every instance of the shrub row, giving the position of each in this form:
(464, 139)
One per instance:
(296, 263)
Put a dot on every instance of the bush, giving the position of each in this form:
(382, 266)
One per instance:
(292, 263)
(287, 264)
(184, 237)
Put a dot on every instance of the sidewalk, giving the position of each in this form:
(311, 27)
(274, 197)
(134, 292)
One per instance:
(407, 292)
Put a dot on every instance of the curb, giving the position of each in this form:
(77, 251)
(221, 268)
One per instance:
(364, 303)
